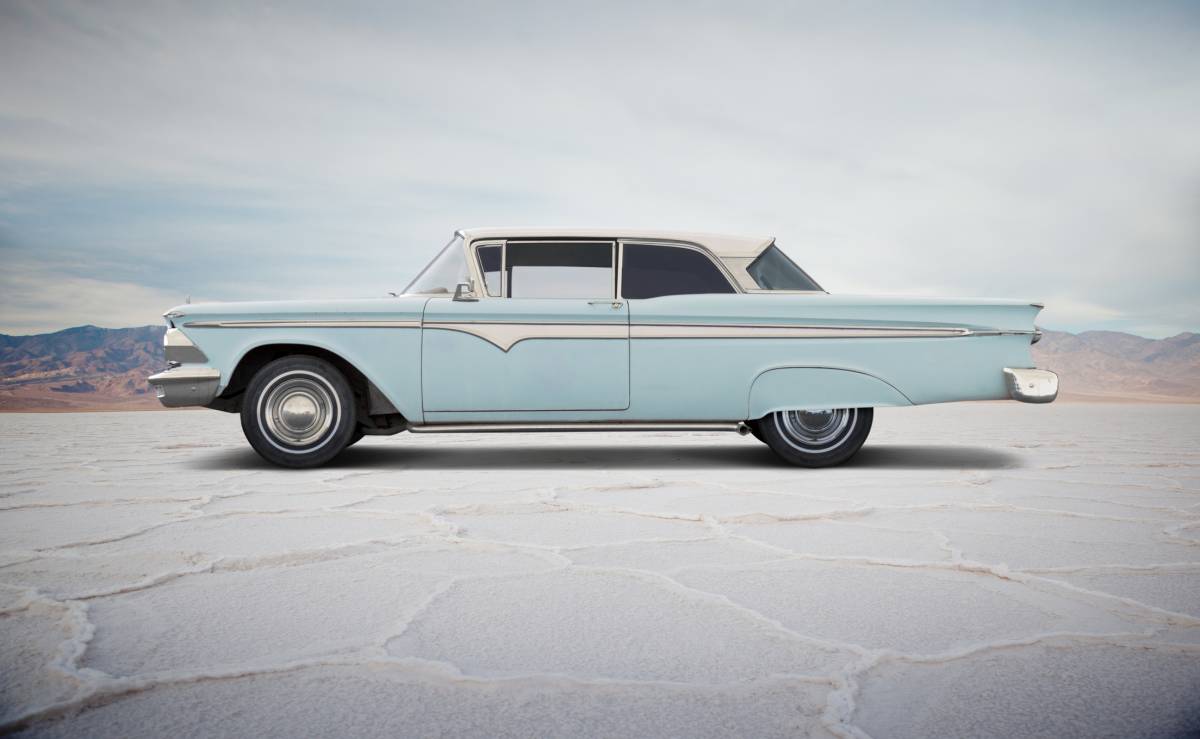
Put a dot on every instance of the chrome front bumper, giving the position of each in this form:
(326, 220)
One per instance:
(184, 386)
(1031, 385)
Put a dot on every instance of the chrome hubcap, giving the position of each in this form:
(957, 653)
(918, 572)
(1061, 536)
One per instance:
(297, 410)
(816, 431)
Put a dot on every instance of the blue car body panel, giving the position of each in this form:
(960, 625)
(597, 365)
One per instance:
(389, 357)
(616, 368)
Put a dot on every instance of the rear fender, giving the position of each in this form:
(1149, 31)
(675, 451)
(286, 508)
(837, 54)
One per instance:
(817, 388)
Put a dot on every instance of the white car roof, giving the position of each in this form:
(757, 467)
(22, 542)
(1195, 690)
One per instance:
(722, 245)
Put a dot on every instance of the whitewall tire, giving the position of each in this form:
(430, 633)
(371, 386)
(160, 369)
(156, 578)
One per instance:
(821, 438)
(299, 412)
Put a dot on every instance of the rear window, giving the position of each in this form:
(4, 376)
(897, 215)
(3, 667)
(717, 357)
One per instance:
(774, 271)
(654, 271)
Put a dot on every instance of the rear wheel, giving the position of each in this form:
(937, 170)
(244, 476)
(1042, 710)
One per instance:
(820, 438)
(299, 412)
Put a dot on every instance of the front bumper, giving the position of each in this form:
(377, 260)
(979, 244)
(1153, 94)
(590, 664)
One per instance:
(1031, 385)
(184, 386)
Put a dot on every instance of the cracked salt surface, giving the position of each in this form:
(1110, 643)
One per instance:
(980, 570)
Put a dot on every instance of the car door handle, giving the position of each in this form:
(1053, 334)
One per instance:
(614, 303)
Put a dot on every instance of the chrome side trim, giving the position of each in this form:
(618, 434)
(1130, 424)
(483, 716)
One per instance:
(505, 335)
(497, 428)
(1031, 385)
(289, 323)
(784, 331)
(1002, 332)
(184, 386)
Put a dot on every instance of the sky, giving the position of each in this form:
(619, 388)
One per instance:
(1048, 151)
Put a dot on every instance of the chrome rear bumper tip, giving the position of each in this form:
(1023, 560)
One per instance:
(1031, 385)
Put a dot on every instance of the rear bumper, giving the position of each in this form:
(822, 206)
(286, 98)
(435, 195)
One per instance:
(183, 386)
(1031, 385)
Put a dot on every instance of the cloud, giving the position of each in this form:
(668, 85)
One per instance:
(39, 300)
(242, 151)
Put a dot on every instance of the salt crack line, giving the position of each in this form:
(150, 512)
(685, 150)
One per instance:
(65, 661)
(1153, 613)
(693, 593)
(841, 703)
(1183, 567)
(1001, 571)
(186, 503)
(111, 689)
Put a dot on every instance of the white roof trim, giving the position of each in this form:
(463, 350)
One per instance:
(721, 245)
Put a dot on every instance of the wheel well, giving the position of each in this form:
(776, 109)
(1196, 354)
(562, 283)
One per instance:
(373, 410)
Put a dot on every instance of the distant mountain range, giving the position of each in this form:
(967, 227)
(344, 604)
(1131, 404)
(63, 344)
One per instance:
(91, 368)
(82, 368)
(1111, 364)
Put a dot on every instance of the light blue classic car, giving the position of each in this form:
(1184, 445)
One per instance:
(582, 330)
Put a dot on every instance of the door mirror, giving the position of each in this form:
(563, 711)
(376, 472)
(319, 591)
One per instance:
(464, 293)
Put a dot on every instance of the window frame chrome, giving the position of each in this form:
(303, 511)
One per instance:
(476, 266)
(618, 260)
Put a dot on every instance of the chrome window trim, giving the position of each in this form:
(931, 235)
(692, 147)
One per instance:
(289, 323)
(717, 262)
(614, 244)
(618, 260)
(477, 267)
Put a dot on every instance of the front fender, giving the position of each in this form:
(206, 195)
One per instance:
(817, 388)
(389, 358)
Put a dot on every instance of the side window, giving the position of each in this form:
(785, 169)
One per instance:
(490, 264)
(653, 271)
(560, 269)
(774, 271)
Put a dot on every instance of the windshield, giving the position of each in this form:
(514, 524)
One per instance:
(774, 271)
(447, 270)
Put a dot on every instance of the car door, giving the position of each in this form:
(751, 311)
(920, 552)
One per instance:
(681, 367)
(547, 333)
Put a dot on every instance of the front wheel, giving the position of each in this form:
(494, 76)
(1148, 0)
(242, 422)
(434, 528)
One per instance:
(298, 412)
(817, 438)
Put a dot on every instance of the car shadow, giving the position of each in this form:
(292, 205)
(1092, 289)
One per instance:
(532, 456)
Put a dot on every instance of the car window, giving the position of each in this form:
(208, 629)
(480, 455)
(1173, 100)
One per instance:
(774, 271)
(653, 271)
(447, 270)
(491, 261)
(559, 269)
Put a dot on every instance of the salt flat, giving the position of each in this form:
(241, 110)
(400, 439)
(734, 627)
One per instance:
(979, 570)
